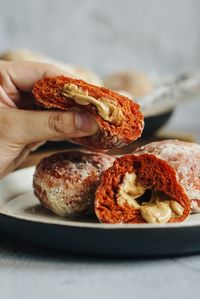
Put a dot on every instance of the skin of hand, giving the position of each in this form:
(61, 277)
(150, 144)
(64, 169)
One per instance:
(22, 129)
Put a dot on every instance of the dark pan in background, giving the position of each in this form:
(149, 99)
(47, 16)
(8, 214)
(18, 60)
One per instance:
(155, 122)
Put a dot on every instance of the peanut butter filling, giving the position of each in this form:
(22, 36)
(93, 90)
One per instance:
(129, 190)
(106, 108)
(159, 209)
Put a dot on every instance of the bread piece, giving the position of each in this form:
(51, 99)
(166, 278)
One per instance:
(119, 119)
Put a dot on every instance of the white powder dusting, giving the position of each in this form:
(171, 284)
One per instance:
(184, 157)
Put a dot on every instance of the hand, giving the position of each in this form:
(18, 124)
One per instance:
(23, 129)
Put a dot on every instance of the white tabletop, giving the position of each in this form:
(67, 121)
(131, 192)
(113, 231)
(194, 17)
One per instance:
(28, 272)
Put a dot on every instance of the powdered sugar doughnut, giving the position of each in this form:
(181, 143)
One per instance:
(65, 182)
(157, 184)
(184, 157)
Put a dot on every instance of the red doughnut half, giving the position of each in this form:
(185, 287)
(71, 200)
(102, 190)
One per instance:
(168, 169)
(122, 124)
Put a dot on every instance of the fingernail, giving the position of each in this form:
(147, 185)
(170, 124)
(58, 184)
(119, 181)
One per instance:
(85, 122)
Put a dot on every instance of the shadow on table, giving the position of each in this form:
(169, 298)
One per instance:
(24, 251)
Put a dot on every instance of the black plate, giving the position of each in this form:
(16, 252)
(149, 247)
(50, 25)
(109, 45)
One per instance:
(22, 217)
(155, 122)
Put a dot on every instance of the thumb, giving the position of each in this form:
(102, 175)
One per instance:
(23, 127)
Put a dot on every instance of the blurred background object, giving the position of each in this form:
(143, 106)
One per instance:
(27, 55)
(134, 82)
(106, 36)
(95, 39)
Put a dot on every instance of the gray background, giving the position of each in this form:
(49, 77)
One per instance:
(107, 35)
(156, 36)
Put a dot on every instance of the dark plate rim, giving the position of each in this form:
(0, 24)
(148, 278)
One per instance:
(102, 226)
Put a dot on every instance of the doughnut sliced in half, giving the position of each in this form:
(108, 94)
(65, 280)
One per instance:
(119, 118)
(156, 184)
(65, 182)
(184, 158)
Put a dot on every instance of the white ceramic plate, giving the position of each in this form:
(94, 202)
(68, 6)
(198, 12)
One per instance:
(22, 217)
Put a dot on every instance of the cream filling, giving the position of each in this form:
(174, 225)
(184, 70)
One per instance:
(129, 190)
(159, 209)
(105, 107)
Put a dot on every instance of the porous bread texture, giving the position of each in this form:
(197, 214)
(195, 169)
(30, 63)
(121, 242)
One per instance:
(184, 158)
(152, 173)
(48, 93)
